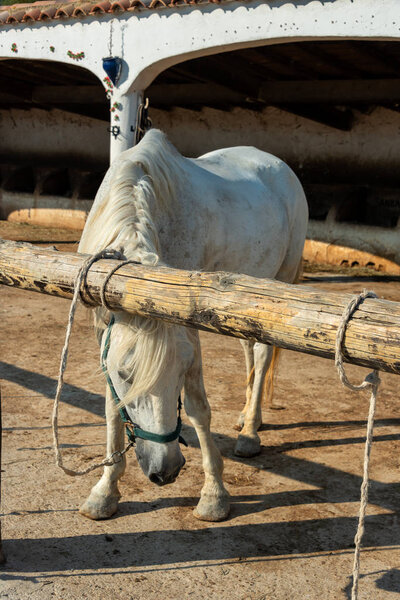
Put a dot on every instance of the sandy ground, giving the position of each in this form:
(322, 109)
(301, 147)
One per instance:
(294, 507)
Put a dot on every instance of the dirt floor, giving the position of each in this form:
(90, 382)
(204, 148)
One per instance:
(294, 507)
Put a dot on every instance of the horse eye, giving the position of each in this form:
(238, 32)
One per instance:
(123, 374)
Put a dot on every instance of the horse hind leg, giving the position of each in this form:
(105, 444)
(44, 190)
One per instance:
(102, 502)
(249, 358)
(249, 443)
(214, 500)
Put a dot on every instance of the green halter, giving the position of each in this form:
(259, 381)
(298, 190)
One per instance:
(134, 431)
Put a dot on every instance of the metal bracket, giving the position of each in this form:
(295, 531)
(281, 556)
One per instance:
(114, 130)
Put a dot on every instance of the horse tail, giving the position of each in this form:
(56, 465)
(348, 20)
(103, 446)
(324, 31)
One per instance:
(269, 377)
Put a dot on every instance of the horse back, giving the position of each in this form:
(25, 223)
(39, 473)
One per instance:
(243, 210)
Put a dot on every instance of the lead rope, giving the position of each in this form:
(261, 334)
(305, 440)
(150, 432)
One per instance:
(371, 381)
(79, 281)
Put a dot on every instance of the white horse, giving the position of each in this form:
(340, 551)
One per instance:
(237, 209)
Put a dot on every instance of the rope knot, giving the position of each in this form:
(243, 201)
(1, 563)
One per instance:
(373, 378)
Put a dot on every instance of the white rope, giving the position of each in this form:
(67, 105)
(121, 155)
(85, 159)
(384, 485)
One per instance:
(79, 280)
(371, 381)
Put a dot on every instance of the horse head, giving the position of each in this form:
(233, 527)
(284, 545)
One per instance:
(145, 364)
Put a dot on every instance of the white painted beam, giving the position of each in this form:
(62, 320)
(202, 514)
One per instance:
(150, 41)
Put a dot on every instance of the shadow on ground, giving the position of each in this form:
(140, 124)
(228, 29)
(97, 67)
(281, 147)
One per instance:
(46, 386)
(262, 541)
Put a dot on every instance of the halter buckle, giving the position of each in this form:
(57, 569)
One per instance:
(130, 430)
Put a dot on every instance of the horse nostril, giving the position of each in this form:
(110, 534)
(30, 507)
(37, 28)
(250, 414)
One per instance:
(155, 478)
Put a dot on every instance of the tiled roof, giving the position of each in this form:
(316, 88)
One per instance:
(44, 10)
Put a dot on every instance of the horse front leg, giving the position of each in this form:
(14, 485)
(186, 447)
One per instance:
(102, 502)
(214, 500)
(249, 443)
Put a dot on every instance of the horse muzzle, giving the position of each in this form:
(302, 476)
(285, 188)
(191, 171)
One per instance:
(161, 463)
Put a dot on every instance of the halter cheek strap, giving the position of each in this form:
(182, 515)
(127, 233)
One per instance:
(133, 431)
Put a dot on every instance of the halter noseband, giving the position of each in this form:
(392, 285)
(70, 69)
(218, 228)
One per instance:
(133, 431)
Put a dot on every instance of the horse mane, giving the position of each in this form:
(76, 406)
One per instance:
(141, 181)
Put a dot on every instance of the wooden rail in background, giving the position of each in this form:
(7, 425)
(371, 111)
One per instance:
(290, 316)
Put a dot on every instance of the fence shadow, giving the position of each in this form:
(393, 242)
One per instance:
(46, 386)
(178, 547)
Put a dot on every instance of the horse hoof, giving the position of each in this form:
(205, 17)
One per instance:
(247, 446)
(99, 507)
(212, 509)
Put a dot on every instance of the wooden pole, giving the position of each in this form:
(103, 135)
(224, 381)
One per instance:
(290, 316)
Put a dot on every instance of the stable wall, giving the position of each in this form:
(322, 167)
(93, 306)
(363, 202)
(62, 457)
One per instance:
(370, 152)
(349, 176)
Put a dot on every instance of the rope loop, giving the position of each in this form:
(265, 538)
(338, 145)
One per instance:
(81, 278)
(371, 381)
(346, 316)
(108, 277)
